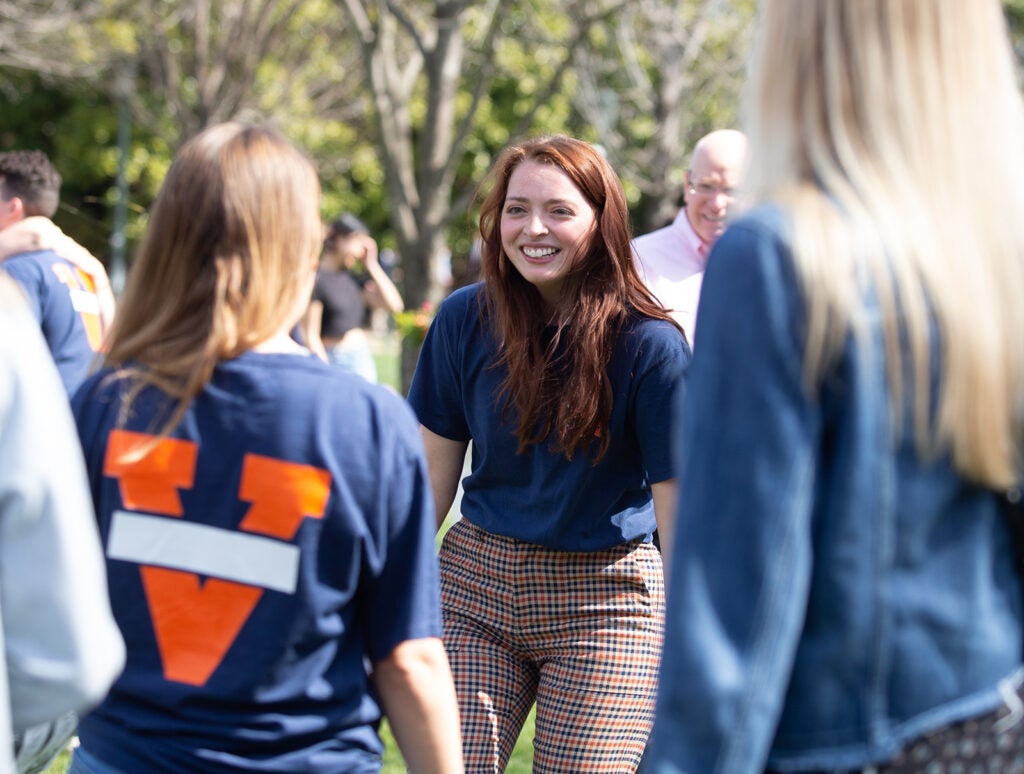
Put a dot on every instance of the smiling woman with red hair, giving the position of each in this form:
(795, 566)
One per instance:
(558, 367)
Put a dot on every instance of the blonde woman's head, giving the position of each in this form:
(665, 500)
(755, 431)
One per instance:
(891, 131)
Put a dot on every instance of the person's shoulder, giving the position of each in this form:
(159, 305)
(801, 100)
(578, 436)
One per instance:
(657, 236)
(767, 221)
(350, 394)
(41, 258)
(463, 297)
(32, 266)
(304, 379)
(752, 263)
(331, 278)
(100, 390)
(301, 386)
(657, 338)
(396, 408)
(663, 336)
(99, 379)
(758, 242)
(653, 327)
(293, 373)
(461, 305)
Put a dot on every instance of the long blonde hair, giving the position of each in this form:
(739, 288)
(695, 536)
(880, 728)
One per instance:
(232, 238)
(892, 132)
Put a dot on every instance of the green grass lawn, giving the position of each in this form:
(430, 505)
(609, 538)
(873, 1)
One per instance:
(520, 763)
(60, 765)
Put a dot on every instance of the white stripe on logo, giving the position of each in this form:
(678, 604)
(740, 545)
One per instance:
(85, 302)
(221, 553)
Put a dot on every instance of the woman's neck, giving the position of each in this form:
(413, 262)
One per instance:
(281, 342)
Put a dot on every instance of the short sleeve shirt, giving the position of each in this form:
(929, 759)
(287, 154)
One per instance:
(672, 261)
(258, 559)
(539, 496)
(63, 302)
(341, 294)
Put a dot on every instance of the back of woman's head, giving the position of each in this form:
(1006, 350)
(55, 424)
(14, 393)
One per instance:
(863, 90)
(232, 239)
(892, 131)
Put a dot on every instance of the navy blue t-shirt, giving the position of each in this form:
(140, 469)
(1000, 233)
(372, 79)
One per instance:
(539, 496)
(64, 304)
(258, 558)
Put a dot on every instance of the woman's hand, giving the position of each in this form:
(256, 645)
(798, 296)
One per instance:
(28, 235)
(380, 292)
(367, 245)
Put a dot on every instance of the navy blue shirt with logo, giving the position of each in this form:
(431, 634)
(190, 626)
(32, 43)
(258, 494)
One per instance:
(259, 558)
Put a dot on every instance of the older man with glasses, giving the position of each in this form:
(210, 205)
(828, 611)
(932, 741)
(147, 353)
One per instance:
(672, 259)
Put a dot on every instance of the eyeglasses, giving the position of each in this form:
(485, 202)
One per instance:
(706, 189)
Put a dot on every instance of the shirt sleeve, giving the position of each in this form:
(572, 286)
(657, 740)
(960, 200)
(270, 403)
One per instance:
(664, 363)
(62, 646)
(318, 289)
(746, 446)
(27, 275)
(400, 599)
(436, 390)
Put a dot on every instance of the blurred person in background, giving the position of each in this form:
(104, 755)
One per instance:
(672, 259)
(71, 308)
(349, 282)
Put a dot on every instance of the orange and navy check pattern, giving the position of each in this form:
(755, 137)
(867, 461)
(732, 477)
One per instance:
(579, 633)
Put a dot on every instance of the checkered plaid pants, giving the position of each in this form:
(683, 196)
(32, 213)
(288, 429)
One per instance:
(578, 633)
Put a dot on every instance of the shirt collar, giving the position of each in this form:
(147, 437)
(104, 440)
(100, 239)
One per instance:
(696, 244)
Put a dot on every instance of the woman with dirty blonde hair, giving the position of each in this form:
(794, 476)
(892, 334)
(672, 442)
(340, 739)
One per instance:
(227, 253)
(267, 518)
(845, 596)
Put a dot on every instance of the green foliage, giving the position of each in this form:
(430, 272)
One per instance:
(1015, 20)
(311, 82)
(527, 59)
(322, 107)
(76, 126)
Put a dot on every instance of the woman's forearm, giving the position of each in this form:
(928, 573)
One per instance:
(416, 688)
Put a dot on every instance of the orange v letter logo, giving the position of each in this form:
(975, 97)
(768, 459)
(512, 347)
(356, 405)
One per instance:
(197, 621)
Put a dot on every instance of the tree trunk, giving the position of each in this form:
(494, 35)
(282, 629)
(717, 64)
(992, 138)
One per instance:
(421, 286)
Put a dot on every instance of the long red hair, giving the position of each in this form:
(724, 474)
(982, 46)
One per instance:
(557, 386)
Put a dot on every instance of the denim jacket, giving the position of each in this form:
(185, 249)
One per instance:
(832, 596)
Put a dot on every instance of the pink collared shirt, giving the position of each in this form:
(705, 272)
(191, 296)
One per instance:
(671, 261)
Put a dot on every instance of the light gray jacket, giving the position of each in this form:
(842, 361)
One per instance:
(62, 647)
